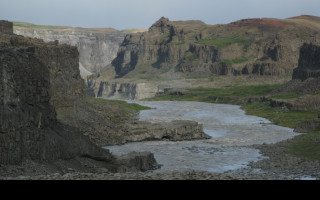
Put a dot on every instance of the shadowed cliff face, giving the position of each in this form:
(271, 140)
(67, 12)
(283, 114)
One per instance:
(252, 46)
(39, 82)
(309, 63)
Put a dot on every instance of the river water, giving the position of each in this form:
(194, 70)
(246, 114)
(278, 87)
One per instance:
(228, 125)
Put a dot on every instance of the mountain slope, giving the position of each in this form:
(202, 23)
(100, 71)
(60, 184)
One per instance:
(265, 47)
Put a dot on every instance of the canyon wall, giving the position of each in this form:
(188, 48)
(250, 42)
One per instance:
(97, 47)
(131, 91)
(40, 88)
(38, 82)
(264, 47)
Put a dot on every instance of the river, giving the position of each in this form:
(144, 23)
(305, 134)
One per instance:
(232, 132)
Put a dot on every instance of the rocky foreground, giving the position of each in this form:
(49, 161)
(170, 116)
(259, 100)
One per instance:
(277, 166)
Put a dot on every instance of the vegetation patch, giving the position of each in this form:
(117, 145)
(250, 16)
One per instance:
(234, 61)
(176, 43)
(286, 96)
(128, 108)
(29, 25)
(279, 116)
(306, 146)
(192, 57)
(219, 95)
(223, 42)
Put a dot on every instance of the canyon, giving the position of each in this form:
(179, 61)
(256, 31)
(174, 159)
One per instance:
(192, 50)
(183, 54)
(44, 115)
(97, 47)
(47, 120)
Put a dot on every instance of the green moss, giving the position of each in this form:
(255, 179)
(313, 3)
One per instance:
(224, 94)
(234, 61)
(128, 108)
(287, 118)
(285, 96)
(306, 146)
(192, 57)
(29, 25)
(223, 42)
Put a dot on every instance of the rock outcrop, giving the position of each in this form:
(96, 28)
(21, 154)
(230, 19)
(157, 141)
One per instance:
(251, 46)
(40, 87)
(38, 81)
(131, 91)
(97, 47)
(306, 77)
(305, 81)
(309, 63)
(177, 130)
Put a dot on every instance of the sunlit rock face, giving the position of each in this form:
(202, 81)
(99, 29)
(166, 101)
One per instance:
(97, 47)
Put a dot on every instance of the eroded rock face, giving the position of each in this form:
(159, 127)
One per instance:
(44, 116)
(267, 47)
(6, 27)
(41, 87)
(39, 81)
(309, 63)
(131, 91)
(97, 48)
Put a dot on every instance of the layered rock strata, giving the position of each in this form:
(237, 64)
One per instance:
(251, 46)
(131, 91)
(97, 47)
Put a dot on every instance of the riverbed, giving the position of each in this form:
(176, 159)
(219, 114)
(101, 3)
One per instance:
(231, 130)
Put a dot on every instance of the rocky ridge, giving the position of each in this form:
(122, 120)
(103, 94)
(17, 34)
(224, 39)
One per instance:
(249, 46)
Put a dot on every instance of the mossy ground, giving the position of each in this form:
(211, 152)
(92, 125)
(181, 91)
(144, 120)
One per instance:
(127, 108)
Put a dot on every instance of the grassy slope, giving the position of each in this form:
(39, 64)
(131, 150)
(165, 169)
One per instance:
(304, 146)
(128, 108)
(53, 27)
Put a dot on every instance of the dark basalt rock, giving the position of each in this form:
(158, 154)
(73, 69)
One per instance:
(40, 87)
(309, 63)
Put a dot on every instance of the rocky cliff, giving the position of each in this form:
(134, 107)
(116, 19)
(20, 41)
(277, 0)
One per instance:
(267, 47)
(306, 77)
(309, 63)
(305, 81)
(41, 87)
(38, 81)
(125, 90)
(97, 47)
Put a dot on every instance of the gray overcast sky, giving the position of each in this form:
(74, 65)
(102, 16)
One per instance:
(122, 14)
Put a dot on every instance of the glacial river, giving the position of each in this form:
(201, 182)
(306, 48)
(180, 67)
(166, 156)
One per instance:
(230, 128)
